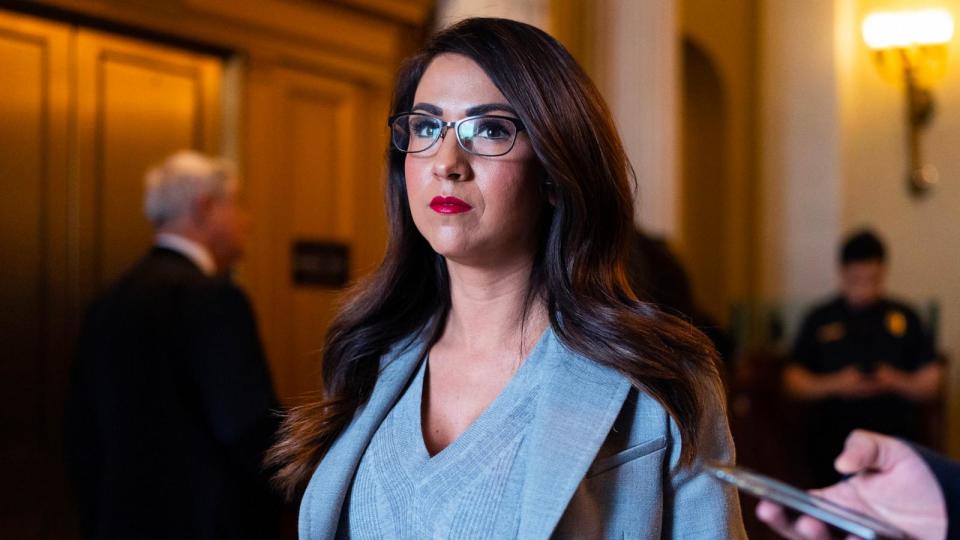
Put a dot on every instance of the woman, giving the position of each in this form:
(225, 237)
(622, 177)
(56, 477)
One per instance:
(497, 377)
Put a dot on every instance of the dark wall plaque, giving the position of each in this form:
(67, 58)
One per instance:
(320, 263)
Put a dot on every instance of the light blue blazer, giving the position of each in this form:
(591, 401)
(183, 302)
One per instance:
(606, 463)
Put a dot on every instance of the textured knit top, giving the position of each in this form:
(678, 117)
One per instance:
(471, 489)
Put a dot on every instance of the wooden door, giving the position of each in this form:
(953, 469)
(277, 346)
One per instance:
(82, 114)
(312, 177)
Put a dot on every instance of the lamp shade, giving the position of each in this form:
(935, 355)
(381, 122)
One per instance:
(902, 29)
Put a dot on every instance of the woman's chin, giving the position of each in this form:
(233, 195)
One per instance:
(452, 253)
(452, 245)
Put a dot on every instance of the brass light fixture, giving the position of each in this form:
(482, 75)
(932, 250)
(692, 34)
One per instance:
(910, 48)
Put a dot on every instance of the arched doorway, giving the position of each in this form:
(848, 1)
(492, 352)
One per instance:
(705, 184)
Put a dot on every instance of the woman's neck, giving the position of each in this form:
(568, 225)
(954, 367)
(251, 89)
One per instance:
(489, 309)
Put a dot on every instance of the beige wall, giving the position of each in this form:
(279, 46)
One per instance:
(535, 12)
(639, 77)
(799, 140)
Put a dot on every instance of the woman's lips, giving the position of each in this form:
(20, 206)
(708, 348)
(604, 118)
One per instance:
(449, 205)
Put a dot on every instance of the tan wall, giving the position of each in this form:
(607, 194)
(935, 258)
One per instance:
(799, 139)
(535, 12)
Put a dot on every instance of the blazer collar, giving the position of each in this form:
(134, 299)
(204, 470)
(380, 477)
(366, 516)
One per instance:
(331, 480)
(579, 402)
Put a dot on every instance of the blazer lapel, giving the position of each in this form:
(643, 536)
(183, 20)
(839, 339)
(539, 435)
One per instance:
(330, 483)
(579, 402)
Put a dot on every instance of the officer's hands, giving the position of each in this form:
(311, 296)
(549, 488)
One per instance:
(890, 379)
(892, 484)
(850, 382)
(919, 385)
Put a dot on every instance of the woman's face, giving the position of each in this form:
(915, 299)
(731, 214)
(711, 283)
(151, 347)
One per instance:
(497, 223)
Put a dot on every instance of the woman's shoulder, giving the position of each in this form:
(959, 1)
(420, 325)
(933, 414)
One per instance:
(643, 419)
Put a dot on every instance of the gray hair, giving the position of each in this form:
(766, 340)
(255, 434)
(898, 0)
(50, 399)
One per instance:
(172, 188)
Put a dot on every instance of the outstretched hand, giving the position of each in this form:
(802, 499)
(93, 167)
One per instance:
(891, 483)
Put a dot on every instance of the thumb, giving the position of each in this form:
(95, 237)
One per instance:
(864, 450)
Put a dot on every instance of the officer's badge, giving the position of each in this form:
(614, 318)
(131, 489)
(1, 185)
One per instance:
(896, 323)
(831, 332)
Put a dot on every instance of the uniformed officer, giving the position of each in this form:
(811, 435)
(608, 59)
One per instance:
(861, 359)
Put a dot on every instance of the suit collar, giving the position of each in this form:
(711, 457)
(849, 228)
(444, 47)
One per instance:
(176, 256)
(331, 480)
(579, 402)
(194, 251)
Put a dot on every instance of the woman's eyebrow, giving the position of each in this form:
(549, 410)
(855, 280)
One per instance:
(472, 111)
(426, 107)
(490, 107)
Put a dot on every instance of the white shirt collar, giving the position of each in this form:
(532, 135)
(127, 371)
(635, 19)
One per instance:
(196, 252)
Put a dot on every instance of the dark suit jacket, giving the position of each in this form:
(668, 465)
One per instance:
(948, 476)
(171, 408)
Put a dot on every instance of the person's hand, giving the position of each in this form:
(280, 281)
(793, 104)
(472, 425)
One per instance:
(890, 379)
(920, 385)
(850, 382)
(892, 484)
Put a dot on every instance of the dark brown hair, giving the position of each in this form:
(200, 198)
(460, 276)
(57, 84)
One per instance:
(578, 268)
(862, 246)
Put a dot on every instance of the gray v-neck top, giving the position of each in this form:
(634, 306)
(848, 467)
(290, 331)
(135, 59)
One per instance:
(471, 489)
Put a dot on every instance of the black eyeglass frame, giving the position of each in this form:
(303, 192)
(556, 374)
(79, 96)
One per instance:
(455, 124)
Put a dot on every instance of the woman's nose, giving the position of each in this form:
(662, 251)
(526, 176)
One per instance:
(450, 161)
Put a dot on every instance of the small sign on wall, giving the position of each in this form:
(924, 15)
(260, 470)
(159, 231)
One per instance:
(318, 263)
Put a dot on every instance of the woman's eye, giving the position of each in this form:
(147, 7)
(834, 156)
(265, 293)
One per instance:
(424, 128)
(493, 130)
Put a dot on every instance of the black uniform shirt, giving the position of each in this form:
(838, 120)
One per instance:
(835, 336)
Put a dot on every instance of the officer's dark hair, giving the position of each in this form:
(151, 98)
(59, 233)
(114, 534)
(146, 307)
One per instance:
(862, 246)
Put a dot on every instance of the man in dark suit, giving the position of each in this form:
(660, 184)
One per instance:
(171, 405)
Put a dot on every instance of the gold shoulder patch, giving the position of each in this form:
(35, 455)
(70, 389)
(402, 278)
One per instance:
(896, 322)
(831, 332)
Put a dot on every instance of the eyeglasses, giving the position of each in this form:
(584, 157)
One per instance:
(487, 135)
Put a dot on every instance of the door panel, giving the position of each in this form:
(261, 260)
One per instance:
(136, 103)
(33, 183)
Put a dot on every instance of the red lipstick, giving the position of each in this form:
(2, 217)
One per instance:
(448, 205)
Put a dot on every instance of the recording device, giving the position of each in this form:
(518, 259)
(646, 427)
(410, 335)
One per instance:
(829, 512)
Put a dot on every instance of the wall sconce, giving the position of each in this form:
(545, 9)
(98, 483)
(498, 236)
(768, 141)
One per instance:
(910, 47)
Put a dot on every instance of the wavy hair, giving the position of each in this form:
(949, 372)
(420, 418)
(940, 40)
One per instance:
(579, 268)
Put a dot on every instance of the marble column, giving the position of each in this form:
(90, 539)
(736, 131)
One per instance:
(638, 73)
